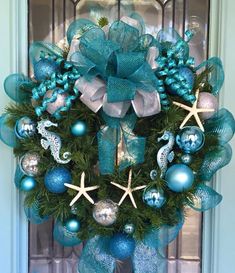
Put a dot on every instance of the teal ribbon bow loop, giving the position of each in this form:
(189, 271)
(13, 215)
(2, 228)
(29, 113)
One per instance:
(118, 132)
(127, 74)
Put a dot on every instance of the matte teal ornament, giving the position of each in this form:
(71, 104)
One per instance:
(190, 139)
(28, 183)
(44, 68)
(72, 225)
(129, 228)
(179, 178)
(25, 128)
(154, 197)
(79, 128)
(121, 246)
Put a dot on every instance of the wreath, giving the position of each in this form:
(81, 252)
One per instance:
(116, 133)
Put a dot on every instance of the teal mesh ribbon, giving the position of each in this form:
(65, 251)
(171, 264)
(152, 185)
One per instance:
(18, 87)
(205, 198)
(7, 134)
(116, 131)
(147, 256)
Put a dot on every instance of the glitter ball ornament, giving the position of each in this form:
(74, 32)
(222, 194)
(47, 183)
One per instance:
(56, 178)
(207, 101)
(154, 197)
(190, 139)
(29, 164)
(28, 183)
(129, 228)
(44, 68)
(105, 212)
(25, 127)
(121, 246)
(186, 159)
(72, 225)
(179, 177)
(60, 101)
(79, 128)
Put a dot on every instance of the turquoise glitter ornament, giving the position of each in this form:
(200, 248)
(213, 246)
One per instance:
(55, 178)
(190, 139)
(28, 183)
(72, 225)
(179, 177)
(79, 128)
(121, 246)
(44, 68)
(129, 228)
(154, 197)
(25, 127)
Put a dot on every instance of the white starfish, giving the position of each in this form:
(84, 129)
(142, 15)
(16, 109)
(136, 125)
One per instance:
(128, 190)
(82, 190)
(193, 111)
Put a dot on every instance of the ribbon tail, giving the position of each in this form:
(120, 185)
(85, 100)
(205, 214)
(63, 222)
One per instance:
(95, 257)
(148, 260)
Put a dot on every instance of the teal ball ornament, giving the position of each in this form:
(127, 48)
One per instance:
(25, 128)
(154, 197)
(187, 76)
(184, 76)
(129, 228)
(121, 246)
(179, 178)
(65, 237)
(55, 178)
(190, 139)
(187, 159)
(79, 128)
(72, 225)
(28, 183)
(44, 68)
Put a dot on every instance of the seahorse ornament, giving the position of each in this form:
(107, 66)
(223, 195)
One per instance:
(52, 140)
(165, 153)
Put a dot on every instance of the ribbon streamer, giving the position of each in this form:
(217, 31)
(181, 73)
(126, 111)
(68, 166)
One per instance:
(110, 136)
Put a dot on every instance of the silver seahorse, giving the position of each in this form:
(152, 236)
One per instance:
(52, 140)
(165, 153)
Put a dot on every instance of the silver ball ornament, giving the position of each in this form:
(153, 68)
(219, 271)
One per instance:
(60, 101)
(105, 212)
(207, 101)
(25, 127)
(29, 164)
(129, 228)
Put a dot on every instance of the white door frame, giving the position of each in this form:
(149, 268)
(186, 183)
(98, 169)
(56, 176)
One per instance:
(218, 234)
